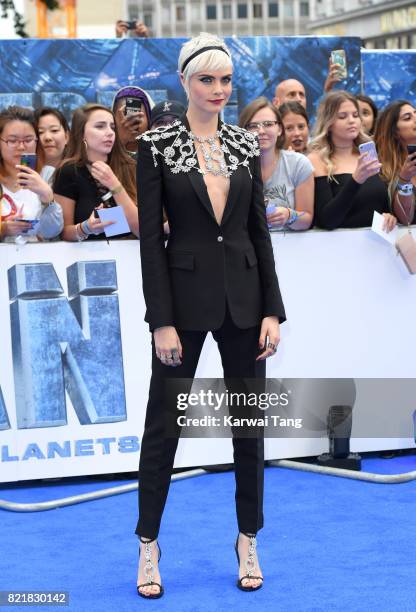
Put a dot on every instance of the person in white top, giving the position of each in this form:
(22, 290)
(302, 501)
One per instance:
(27, 206)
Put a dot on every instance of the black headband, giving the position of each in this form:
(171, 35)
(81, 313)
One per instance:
(191, 57)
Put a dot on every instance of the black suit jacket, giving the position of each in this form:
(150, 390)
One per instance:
(187, 283)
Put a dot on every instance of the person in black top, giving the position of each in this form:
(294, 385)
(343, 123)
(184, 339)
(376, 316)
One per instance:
(96, 170)
(217, 274)
(348, 188)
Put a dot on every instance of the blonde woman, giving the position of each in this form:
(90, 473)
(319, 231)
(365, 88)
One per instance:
(217, 274)
(348, 187)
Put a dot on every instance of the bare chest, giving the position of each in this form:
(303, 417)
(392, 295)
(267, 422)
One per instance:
(217, 186)
(345, 165)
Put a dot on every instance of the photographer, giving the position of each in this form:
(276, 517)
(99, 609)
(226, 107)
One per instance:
(132, 109)
(134, 28)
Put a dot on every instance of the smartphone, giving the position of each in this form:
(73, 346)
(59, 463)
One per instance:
(29, 160)
(370, 149)
(411, 149)
(33, 223)
(338, 57)
(133, 105)
(131, 25)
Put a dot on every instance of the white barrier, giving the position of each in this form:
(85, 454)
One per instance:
(350, 307)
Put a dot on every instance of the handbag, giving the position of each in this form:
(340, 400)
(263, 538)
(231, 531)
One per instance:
(406, 246)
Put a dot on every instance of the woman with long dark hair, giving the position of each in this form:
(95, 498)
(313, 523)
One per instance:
(96, 166)
(217, 274)
(395, 131)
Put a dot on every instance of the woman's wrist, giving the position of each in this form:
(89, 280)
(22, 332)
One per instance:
(85, 228)
(46, 194)
(79, 233)
(405, 189)
(117, 188)
(293, 216)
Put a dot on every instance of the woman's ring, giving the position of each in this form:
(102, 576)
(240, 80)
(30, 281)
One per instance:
(271, 346)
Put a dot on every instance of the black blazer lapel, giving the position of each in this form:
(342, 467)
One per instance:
(196, 178)
(201, 190)
(233, 194)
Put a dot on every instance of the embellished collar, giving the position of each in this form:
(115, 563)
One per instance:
(237, 144)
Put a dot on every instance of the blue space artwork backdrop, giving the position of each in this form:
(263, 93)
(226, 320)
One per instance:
(389, 75)
(67, 73)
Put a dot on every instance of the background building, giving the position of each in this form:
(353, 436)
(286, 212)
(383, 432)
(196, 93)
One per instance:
(183, 18)
(382, 24)
(180, 18)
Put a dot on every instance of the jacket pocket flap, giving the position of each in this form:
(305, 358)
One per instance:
(251, 258)
(181, 259)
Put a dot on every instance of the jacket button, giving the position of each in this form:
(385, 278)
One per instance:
(220, 239)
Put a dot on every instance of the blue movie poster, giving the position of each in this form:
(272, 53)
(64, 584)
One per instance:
(68, 73)
(389, 75)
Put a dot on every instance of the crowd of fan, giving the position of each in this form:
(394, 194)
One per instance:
(310, 180)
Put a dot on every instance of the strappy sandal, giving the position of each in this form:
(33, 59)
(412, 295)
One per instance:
(149, 570)
(250, 564)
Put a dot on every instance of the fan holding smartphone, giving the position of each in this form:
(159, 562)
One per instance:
(396, 144)
(27, 207)
(132, 109)
(348, 187)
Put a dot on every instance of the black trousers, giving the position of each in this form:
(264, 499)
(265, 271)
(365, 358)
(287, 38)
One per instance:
(238, 349)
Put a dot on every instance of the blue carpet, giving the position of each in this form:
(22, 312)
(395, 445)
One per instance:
(329, 544)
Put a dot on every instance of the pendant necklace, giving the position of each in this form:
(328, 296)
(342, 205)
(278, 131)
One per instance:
(213, 155)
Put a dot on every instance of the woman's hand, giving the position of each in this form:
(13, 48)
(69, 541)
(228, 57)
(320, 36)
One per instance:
(14, 227)
(168, 346)
(279, 216)
(365, 168)
(95, 224)
(333, 77)
(270, 333)
(129, 126)
(408, 170)
(104, 174)
(30, 179)
(389, 222)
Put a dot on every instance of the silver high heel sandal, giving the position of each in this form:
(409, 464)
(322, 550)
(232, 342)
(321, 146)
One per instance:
(250, 564)
(149, 570)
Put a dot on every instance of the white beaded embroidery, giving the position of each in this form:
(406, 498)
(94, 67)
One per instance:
(180, 155)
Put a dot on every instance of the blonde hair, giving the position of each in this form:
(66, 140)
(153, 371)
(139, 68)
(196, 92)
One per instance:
(326, 117)
(212, 59)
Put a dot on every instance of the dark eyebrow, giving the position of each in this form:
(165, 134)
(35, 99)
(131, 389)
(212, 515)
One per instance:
(201, 74)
